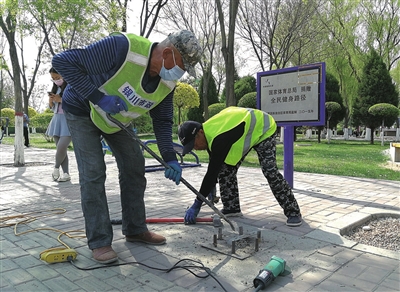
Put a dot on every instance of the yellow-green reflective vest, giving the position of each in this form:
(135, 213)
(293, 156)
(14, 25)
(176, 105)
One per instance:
(258, 126)
(126, 83)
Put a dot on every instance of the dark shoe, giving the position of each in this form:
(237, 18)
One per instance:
(147, 237)
(232, 213)
(104, 255)
(294, 221)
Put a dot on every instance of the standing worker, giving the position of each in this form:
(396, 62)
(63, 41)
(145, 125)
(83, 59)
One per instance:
(228, 137)
(58, 127)
(124, 75)
(26, 130)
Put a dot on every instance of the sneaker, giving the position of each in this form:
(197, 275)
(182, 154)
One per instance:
(104, 255)
(56, 173)
(64, 177)
(147, 237)
(294, 221)
(232, 213)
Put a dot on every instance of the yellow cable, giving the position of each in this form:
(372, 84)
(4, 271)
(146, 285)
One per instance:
(27, 218)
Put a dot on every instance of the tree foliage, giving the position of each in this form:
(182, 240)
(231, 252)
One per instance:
(185, 97)
(332, 94)
(376, 86)
(197, 113)
(243, 86)
(216, 108)
(385, 112)
(249, 100)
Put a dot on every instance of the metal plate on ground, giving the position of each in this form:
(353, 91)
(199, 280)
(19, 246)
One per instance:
(239, 246)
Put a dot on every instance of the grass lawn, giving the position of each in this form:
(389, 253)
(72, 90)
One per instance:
(356, 158)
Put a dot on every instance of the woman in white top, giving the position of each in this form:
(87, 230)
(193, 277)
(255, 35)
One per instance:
(58, 127)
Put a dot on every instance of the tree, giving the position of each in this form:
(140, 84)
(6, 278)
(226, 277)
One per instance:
(204, 25)
(196, 113)
(281, 32)
(185, 96)
(243, 86)
(331, 108)
(332, 94)
(376, 86)
(8, 23)
(228, 42)
(386, 113)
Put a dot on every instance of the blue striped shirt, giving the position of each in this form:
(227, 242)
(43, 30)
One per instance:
(86, 69)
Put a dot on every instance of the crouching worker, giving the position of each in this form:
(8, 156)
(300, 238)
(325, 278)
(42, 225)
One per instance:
(228, 137)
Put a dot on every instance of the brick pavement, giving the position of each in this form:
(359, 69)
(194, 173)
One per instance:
(319, 257)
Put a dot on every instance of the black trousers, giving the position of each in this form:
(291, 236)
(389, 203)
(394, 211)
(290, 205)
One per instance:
(26, 136)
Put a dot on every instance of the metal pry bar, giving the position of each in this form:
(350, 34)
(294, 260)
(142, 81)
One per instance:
(160, 160)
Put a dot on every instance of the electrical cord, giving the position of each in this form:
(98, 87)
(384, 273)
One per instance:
(167, 270)
(32, 216)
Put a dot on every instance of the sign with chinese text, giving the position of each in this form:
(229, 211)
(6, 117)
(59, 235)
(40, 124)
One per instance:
(293, 96)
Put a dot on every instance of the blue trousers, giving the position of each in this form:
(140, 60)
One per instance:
(92, 176)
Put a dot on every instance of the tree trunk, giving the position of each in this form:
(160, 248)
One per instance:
(206, 80)
(228, 48)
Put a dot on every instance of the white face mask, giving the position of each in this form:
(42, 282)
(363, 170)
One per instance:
(58, 82)
(173, 74)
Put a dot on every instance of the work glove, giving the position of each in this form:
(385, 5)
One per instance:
(192, 212)
(174, 172)
(112, 104)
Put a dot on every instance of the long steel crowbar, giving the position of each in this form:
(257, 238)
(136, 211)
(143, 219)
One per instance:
(160, 160)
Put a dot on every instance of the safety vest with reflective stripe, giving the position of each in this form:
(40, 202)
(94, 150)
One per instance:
(258, 126)
(126, 83)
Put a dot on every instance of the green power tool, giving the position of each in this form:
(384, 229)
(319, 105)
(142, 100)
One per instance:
(273, 269)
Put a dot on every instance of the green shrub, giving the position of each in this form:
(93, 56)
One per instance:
(41, 121)
(143, 124)
(9, 113)
(215, 109)
(249, 100)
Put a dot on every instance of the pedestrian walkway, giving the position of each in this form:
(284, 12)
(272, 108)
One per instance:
(319, 257)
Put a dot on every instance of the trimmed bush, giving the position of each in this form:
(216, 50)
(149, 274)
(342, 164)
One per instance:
(249, 100)
(215, 109)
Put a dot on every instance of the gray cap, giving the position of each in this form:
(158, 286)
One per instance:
(189, 48)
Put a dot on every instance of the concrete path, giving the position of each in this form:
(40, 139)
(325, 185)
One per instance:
(319, 257)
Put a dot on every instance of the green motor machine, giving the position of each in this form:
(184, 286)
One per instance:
(273, 269)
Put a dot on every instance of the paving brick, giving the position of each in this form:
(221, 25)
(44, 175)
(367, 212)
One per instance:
(352, 282)
(28, 261)
(352, 269)
(93, 284)
(374, 275)
(314, 276)
(42, 272)
(330, 285)
(122, 283)
(7, 264)
(32, 286)
(60, 284)
(16, 276)
(155, 282)
(391, 283)
(330, 250)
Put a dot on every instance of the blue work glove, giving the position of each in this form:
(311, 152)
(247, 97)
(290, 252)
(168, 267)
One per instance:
(174, 172)
(112, 104)
(192, 212)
